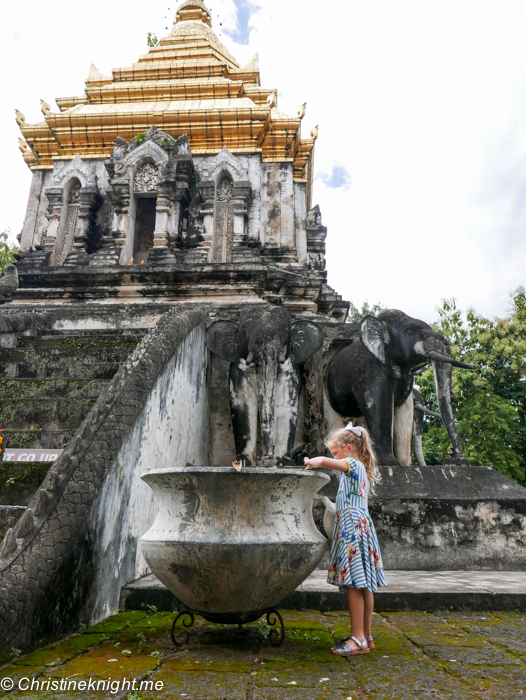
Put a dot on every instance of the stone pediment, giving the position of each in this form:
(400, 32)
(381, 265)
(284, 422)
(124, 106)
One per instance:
(75, 168)
(224, 161)
(154, 145)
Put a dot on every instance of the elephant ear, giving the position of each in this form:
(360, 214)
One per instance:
(222, 338)
(306, 339)
(374, 336)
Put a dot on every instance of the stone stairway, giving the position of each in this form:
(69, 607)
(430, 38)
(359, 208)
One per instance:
(47, 386)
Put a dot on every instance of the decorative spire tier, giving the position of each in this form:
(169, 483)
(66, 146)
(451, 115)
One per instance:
(188, 83)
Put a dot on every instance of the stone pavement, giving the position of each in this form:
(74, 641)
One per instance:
(458, 656)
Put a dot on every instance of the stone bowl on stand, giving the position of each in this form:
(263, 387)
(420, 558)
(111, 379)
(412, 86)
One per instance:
(231, 545)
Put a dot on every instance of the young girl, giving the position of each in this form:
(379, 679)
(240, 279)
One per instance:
(356, 562)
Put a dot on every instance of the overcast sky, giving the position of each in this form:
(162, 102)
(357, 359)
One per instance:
(421, 105)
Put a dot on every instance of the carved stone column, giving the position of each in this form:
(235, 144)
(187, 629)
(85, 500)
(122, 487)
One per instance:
(112, 245)
(78, 254)
(206, 190)
(119, 197)
(53, 213)
(242, 199)
(223, 241)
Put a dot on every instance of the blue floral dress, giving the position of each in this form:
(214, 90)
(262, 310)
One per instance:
(355, 553)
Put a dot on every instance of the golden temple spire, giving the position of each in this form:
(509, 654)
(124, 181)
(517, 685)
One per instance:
(193, 10)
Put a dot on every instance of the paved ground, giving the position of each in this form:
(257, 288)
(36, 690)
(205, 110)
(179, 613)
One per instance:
(418, 655)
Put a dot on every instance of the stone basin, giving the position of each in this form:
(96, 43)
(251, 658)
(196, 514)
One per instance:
(231, 545)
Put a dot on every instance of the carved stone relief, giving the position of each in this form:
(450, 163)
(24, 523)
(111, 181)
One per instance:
(74, 195)
(224, 223)
(70, 224)
(146, 178)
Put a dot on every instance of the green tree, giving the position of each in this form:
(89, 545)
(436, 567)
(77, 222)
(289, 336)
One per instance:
(151, 39)
(355, 314)
(7, 253)
(489, 403)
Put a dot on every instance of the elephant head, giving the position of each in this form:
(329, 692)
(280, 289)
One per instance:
(375, 376)
(264, 348)
(408, 345)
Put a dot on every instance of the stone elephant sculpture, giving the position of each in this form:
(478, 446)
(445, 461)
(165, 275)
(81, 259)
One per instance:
(373, 377)
(264, 349)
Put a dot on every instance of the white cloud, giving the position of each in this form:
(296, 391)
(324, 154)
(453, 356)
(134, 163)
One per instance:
(421, 104)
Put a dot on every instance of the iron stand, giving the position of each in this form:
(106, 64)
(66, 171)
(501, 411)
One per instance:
(276, 634)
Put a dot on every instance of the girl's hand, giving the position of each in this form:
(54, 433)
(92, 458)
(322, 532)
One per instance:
(314, 462)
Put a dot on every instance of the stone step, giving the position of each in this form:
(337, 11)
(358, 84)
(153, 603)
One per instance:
(61, 367)
(46, 414)
(406, 590)
(74, 342)
(36, 439)
(46, 388)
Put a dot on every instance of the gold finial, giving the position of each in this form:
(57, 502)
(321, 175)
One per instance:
(301, 110)
(193, 10)
(44, 107)
(314, 133)
(22, 144)
(20, 118)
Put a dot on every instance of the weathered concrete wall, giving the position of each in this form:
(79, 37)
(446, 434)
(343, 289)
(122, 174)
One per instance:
(222, 445)
(300, 215)
(277, 205)
(35, 220)
(36, 207)
(47, 563)
(448, 518)
(171, 431)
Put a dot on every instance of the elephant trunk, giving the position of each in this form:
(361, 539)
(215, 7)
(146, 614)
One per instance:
(266, 373)
(442, 372)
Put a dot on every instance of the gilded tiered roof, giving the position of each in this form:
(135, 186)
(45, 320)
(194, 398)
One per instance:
(188, 83)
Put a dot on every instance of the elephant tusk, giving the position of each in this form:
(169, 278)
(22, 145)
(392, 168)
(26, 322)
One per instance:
(443, 358)
(420, 407)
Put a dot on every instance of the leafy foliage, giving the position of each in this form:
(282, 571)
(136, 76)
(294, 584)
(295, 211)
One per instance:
(7, 253)
(489, 403)
(151, 39)
(355, 314)
(193, 178)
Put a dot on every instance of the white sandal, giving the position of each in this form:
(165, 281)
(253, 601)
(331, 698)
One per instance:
(343, 649)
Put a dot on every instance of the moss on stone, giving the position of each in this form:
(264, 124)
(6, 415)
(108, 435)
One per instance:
(223, 662)
(116, 623)
(18, 473)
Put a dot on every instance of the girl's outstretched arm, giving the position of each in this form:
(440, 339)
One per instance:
(340, 465)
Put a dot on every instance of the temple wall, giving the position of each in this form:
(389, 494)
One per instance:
(171, 430)
(275, 216)
(35, 220)
(300, 211)
(36, 210)
(277, 205)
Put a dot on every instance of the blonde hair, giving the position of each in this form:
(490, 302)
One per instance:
(343, 437)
